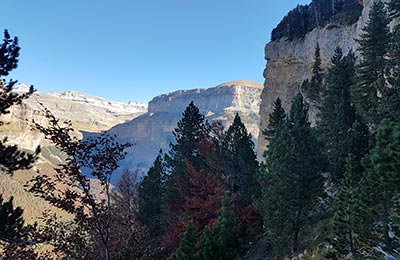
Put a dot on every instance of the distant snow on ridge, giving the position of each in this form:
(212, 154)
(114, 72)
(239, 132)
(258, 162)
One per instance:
(115, 107)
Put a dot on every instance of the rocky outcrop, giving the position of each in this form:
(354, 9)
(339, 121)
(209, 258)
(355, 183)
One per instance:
(289, 63)
(153, 131)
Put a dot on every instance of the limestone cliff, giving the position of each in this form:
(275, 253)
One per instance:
(289, 63)
(153, 130)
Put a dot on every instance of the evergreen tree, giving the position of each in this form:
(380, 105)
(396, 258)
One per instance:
(223, 161)
(221, 242)
(337, 113)
(242, 180)
(209, 249)
(373, 47)
(394, 8)
(345, 231)
(188, 134)
(227, 229)
(151, 193)
(380, 187)
(11, 221)
(395, 219)
(358, 142)
(391, 94)
(276, 119)
(313, 87)
(11, 159)
(187, 246)
(12, 229)
(292, 181)
(348, 209)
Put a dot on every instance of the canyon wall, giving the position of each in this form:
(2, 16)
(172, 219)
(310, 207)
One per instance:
(289, 63)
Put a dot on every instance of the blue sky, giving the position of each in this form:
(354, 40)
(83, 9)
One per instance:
(134, 50)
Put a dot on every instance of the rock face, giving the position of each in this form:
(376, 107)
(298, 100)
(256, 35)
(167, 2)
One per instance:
(87, 114)
(289, 63)
(153, 131)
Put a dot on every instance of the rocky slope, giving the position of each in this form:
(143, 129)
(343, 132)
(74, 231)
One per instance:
(153, 130)
(289, 63)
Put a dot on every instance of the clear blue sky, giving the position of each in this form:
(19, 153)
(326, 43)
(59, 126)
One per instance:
(137, 49)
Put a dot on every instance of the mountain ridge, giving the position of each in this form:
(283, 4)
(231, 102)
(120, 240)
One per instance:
(152, 131)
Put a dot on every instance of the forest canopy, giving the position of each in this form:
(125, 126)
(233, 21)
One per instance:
(304, 18)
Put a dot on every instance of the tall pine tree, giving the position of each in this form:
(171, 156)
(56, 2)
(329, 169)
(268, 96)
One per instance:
(371, 82)
(292, 182)
(188, 134)
(242, 180)
(337, 113)
(151, 196)
(391, 94)
(313, 87)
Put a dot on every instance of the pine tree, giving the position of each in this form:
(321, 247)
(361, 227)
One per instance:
(187, 246)
(188, 134)
(11, 159)
(151, 193)
(345, 231)
(292, 181)
(12, 228)
(371, 69)
(395, 219)
(227, 229)
(357, 140)
(337, 113)
(11, 221)
(394, 8)
(391, 95)
(209, 249)
(380, 187)
(242, 180)
(221, 242)
(313, 87)
(276, 119)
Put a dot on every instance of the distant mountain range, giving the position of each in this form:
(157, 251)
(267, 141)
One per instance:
(147, 127)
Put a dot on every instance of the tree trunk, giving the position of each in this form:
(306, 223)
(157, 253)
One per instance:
(295, 241)
(353, 250)
(316, 13)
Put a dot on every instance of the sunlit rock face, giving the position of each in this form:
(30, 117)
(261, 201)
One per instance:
(289, 63)
(86, 113)
(153, 131)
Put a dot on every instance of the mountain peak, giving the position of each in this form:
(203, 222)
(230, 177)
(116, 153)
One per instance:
(247, 83)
